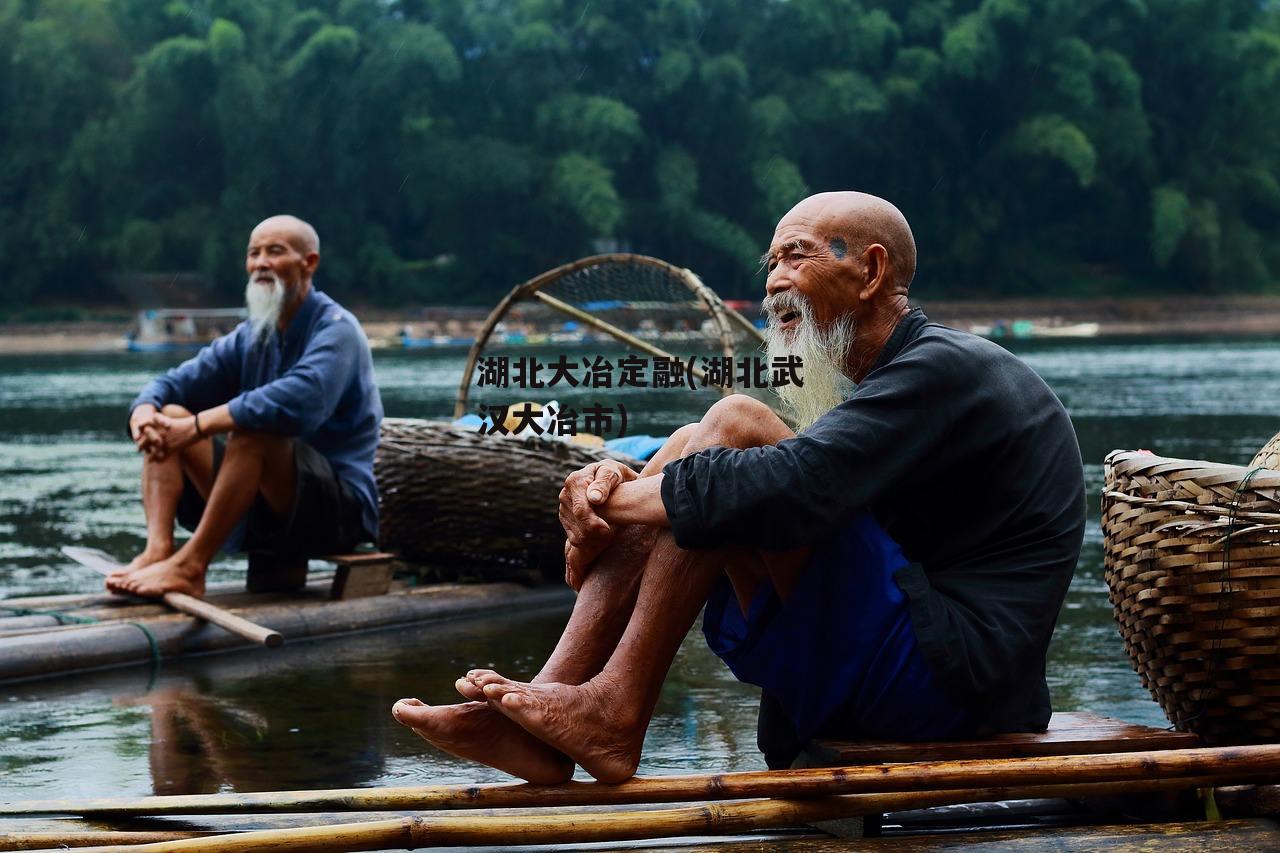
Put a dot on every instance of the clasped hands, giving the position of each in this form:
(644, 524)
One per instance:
(584, 494)
(158, 435)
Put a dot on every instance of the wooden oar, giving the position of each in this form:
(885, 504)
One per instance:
(103, 564)
(1244, 763)
(630, 825)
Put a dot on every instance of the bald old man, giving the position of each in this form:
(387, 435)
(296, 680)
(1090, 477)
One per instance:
(893, 570)
(263, 441)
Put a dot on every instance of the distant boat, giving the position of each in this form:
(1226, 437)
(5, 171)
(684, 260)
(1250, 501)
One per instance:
(1035, 329)
(178, 329)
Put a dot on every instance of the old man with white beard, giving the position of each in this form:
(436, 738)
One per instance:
(264, 441)
(892, 570)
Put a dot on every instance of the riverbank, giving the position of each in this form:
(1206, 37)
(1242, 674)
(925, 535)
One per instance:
(1218, 316)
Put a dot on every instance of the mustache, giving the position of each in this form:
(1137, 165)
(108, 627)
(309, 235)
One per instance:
(784, 302)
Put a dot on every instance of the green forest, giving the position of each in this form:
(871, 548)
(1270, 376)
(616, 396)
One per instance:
(447, 149)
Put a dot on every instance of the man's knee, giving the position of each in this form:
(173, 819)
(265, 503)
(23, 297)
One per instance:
(738, 421)
(173, 410)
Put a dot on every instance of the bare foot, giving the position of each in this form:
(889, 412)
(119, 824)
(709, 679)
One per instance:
(175, 574)
(476, 732)
(150, 554)
(587, 722)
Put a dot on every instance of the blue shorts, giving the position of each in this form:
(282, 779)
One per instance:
(839, 656)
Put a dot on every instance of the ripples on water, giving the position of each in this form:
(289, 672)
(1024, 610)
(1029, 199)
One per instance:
(316, 715)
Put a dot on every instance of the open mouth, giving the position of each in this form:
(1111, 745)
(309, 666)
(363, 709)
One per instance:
(789, 318)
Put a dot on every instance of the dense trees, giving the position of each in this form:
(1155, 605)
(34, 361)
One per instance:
(448, 148)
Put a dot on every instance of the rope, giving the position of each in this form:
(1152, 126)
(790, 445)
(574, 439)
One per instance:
(63, 617)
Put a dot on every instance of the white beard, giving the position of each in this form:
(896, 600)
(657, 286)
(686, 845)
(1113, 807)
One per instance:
(265, 303)
(822, 355)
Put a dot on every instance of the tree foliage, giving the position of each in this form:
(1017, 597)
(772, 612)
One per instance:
(446, 149)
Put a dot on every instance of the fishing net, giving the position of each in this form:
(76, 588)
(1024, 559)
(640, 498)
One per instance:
(643, 305)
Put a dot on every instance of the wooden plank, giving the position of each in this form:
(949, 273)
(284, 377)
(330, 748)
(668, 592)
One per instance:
(360, 558)
(362, 579)
(1069, 733)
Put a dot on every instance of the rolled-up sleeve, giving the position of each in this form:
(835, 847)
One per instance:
(791, 494)
(303, 398)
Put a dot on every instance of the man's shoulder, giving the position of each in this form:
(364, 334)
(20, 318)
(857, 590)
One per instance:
(330, 315)
(960, 349)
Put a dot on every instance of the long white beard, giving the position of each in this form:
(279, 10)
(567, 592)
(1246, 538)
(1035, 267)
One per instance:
(822, 355)
(265, 303)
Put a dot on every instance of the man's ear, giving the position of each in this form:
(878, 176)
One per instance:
(876, 264)
(311, 261)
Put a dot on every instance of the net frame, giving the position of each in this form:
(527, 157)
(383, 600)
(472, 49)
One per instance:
(725, 320)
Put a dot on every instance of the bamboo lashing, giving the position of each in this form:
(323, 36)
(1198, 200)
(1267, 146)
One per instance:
(1217, 762)
(630, 825)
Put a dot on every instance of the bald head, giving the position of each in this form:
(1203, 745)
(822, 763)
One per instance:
(851, 221)
(298, 233)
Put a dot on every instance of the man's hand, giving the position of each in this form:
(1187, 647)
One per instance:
(175, 433)
(586, 533)
(144, 431)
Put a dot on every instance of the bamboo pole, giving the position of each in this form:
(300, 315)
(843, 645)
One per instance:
(103, 564)
(89, 838)
(630, 825)
(1222, 763)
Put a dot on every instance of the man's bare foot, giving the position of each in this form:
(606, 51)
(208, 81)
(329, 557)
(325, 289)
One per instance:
(476, 732)
(150, 554)
(175, 574)
(585, 722)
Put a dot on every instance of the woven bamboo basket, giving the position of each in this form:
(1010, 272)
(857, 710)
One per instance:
(453, 498)
(1192, 561)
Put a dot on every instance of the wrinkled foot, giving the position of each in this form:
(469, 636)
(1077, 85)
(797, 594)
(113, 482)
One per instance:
(588, 723)
(150, 555)
(476, 732)
(175, 574)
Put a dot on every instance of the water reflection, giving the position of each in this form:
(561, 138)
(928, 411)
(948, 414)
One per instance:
(318, 716)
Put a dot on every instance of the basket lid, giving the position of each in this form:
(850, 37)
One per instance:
(1269, 455)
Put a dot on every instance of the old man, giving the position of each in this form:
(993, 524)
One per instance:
(892, 569)
(264, 441)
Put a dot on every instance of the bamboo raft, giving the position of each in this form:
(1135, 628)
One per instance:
(738, 805)
(50, 636)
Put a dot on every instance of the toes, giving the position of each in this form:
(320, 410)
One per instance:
(485, 677)
(499, 691)
(409, 712)
(468, 689)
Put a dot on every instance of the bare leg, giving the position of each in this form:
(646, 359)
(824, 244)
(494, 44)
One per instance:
(601, 723)
(475, 731)
(255, 462)
(161, 489)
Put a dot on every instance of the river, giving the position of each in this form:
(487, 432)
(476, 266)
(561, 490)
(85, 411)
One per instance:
(316, 715)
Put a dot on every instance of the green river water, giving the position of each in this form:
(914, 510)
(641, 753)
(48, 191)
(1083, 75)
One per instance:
(316, 714)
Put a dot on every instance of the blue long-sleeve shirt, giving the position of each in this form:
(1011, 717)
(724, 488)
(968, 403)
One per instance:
(314, 383)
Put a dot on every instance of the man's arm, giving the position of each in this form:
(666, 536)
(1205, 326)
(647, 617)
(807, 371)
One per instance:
(636, 502)
(306, 395)
(796, 492)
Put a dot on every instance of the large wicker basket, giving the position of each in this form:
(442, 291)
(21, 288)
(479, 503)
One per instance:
(1192, 560)
(483, 504)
